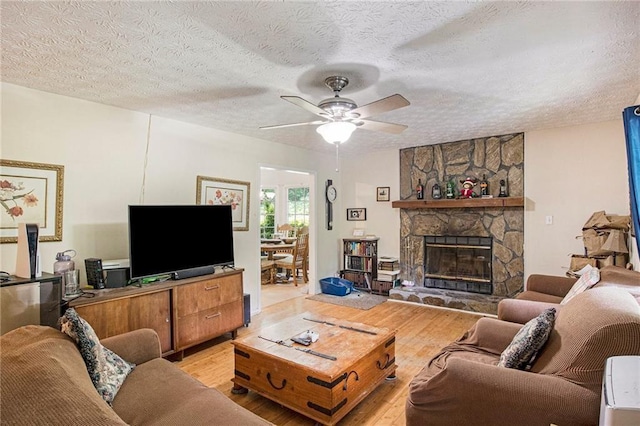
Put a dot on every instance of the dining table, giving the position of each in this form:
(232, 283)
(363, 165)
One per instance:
(270, 248)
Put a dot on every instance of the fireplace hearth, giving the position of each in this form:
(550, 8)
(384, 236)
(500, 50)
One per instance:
(458, 263)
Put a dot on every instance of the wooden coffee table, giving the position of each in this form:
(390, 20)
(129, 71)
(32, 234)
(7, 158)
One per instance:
(320, 388)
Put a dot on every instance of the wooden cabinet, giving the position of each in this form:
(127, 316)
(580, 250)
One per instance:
(183, 313)
(112, 317)
(360, 261)
(208, 308)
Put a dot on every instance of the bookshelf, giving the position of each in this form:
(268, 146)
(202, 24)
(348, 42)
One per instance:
(360, 261)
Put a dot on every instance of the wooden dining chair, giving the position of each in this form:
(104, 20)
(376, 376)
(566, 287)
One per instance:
(305, 230)
(296, 261)
(285, 230)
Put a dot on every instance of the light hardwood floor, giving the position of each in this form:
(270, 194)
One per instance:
(421, 332)
(276, 293)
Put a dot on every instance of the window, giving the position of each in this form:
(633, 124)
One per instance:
(298, 206)
(267, 212)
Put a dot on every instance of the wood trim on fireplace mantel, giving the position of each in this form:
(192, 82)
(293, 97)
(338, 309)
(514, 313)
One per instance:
(459, 203)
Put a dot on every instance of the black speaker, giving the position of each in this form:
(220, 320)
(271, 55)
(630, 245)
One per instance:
(116, 277)
(247, 309)
(193, 272)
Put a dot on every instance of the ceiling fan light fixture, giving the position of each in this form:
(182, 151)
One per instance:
(336, 132)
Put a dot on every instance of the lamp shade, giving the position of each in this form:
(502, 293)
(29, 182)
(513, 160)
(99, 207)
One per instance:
(336, 131)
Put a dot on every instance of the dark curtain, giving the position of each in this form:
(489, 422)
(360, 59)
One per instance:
(631, 118)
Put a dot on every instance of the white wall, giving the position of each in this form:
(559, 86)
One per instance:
(361, 176)
(103, 151)
(570, 173)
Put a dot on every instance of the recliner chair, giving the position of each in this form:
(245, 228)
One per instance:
(463, 385)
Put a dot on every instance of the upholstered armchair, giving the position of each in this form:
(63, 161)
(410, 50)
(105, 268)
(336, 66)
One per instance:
(464, 385)
(545, 291)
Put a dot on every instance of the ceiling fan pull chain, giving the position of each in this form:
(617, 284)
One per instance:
(337, 155)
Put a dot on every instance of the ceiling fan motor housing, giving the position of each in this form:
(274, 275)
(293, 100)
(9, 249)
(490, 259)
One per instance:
(337, 106)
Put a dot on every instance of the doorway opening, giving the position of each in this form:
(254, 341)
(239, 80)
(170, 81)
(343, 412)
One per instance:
(286, 202)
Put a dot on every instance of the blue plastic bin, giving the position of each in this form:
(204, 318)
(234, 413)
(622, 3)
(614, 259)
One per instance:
(336, 286)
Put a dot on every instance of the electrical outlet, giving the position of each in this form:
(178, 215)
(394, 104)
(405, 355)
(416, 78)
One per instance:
(548, 220)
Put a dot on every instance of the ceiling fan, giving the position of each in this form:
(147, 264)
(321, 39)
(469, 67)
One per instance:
(342, 115)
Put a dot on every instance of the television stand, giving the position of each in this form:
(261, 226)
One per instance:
(184, 313)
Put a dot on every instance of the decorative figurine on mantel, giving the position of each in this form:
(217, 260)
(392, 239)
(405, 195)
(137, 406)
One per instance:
(467, 187)
(484, 186)
(451, 189)
(503, 188)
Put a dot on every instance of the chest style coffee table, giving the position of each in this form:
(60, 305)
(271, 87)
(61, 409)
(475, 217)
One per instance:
(346, 363)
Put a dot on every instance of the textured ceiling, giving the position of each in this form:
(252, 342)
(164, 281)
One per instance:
(469, 69)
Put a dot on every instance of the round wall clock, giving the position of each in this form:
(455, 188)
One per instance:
(332, 193)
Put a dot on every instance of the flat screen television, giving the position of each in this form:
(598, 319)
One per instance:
(180, 240)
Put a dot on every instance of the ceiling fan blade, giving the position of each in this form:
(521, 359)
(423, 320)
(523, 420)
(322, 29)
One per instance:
(382, 105)
(279, 126)
(297, 100)
(381, 126)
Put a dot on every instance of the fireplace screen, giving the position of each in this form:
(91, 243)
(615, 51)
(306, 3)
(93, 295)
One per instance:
(458, 263)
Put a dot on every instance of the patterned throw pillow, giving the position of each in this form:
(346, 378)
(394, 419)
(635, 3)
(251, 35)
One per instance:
(588, 279)
(528, 341)
(106, 369)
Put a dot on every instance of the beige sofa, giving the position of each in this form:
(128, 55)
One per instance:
(546, 291)
(44, 381)
(463, 385)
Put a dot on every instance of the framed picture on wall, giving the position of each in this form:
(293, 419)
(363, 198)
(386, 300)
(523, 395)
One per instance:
(357, 214)
(383, 193)
(218, 191)
(31, 193)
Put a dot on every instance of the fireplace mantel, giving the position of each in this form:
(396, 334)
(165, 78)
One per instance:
(459, 203)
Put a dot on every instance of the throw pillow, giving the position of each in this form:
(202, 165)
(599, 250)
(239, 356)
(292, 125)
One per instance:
(588, 279)
(106, 369)
(528, 341)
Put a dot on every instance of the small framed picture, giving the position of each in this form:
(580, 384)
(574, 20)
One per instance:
(382, 193)
(358, 232)
(356, 214)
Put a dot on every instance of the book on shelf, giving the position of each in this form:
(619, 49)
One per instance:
(388, 265)
(388, 275)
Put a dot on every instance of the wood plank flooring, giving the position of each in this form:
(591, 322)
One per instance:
(421, 332)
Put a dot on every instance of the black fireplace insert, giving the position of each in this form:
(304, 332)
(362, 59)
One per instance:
(458, 263)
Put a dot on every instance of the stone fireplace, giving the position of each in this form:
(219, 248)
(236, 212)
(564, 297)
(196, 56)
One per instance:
(479, 240)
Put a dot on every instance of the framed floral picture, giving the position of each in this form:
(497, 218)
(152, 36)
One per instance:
(31, 193)
(217, 191)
